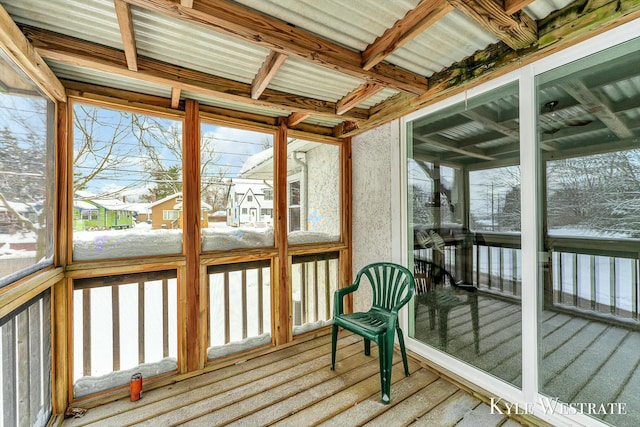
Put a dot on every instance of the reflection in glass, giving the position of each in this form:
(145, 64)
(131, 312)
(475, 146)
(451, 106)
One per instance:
(236, 188)
(27, 175)
(464, 218)
(589, 123)
(127, 184)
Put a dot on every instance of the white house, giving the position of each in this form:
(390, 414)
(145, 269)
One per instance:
(250, 202)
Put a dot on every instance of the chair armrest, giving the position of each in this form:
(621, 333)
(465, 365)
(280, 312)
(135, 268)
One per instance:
(338, 302)
(465, 286)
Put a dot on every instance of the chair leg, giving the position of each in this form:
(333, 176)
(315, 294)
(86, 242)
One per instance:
(432, 318)
(383, 367)
(475, 323)
(334, 339)
(403, 351)
(387, 346)
(443, 316)
(367, 347)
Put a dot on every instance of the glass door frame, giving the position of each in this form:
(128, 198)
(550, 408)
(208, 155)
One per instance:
(528, 397)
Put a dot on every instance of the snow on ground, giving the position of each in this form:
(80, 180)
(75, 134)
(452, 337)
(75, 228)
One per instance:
(90, 385)
(238, 346)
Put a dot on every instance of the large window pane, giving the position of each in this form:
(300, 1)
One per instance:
(27, 175)
(127, 184)
(236, 188)
(313, 192)
(464, 223)
(589, 329)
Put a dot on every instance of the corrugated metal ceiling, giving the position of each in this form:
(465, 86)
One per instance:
(354, 24)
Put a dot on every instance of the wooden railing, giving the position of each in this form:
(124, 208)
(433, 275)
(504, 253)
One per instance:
(143, 306)
(314, 279)
(597, 276)
(239, 307)
(497, 263)
(25, 367)
(592, 277)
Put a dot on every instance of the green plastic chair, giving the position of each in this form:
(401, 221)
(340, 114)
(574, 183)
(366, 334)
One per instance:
(393, 286)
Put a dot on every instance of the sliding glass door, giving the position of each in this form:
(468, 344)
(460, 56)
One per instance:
(464, 231)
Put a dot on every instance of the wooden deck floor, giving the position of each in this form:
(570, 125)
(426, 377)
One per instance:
(294, 386)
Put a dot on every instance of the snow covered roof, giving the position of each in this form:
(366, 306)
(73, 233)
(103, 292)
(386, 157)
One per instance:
(173, 196)
(260, 165)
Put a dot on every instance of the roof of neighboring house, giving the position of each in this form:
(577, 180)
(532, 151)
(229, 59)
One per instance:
(165, 199)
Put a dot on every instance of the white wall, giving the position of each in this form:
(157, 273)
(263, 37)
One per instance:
(375, 188)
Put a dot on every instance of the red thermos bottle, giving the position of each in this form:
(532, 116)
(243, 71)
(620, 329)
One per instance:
(135, 387)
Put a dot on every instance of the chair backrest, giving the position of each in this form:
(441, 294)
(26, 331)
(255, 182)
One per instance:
(392, 284)
(430, 276)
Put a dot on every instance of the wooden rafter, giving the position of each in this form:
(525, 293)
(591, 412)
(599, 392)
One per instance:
(404, 30)
(596, 106)
(253, 27)
(513, 6)
(578, 21)
(296, 118)
(517, 31)
(266, 73)
(357, 96)
(186, 3)
(16, 45)
(490, 123)
(449, 145)
(175, 97)
(123, 12)
(71, 50)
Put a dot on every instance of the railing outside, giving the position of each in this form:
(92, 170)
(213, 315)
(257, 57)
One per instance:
(123, 324)
(314, 280)
(595, 276)
(239, 307)
(25, 367)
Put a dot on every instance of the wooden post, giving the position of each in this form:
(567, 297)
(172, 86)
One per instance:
(191, 231)
(282, 289)
(345, 266)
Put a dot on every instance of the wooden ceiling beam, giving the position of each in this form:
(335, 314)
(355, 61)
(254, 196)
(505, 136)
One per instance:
(253, 27)
(74, 51)
(296, 118)
(596, 106)
(404, 30)
(123, 12)
(186, 3)
(577, 22)
(446, 144)
(357, 96)
(517, 31)
(175, 97)
(513, 6)
(266, 73)
(18, 48)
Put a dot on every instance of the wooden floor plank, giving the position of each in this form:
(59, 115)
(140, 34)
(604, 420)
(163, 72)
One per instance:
(267, 406)
(371, 408)
(338, 402)
(123, 406)
(241, 391)
(449, 412)
(225, 379)
(481, 416)
(415, 406)
(570, 381)
(557, 360)
(295, 386)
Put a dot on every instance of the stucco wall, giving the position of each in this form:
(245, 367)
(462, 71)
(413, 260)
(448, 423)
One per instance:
(373, 156)
(323, 163)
